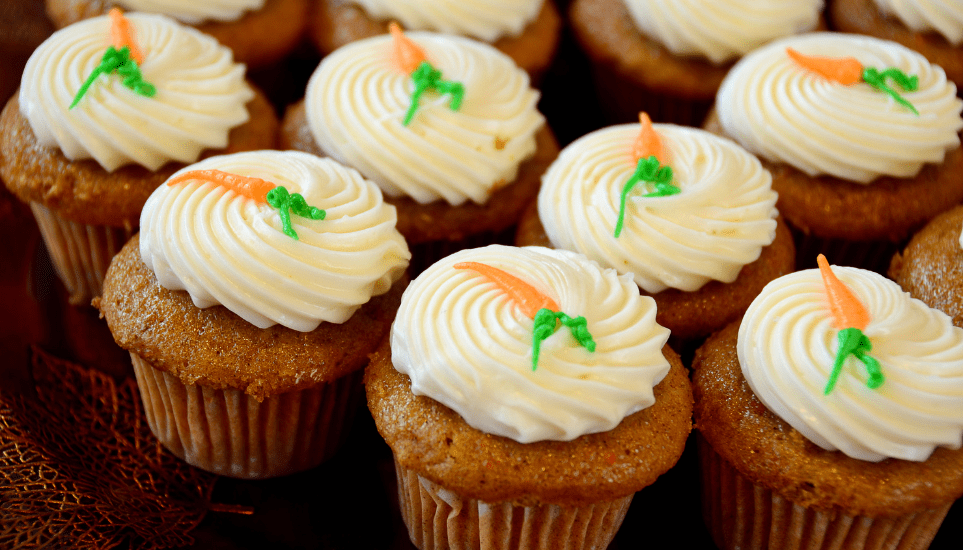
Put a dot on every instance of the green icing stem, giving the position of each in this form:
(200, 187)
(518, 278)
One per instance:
(126, 67)
(426, 78)
(647, 170)
(877, 79)
(545, 325)
(291, 202)
(852, 341)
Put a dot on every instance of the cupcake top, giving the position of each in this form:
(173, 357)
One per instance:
(778, 105)
(486, 20)
(276, 237)
(458, 135)
(717, 213)
(468, 336)
(854, 363)
(941, 16)
(721, 31)
(80, 92)
(193, 12)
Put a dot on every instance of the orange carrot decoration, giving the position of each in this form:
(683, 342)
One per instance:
(847, 310)
(406, 54)
(537, 306)
(845, 70)
(648, 143)
(528, 298)
(121, 34)
(849, 71)
(260, 191)
(247, 186)
(851, 317)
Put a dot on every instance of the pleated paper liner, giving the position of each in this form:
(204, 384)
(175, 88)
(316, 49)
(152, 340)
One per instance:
(742, 515)
(230, 433)
(80, 253)
(438, 518)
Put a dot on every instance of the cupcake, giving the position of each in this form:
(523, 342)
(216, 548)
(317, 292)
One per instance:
(932, 27)
(85, 147)
(668, 58)
(830, 416)
(859, 164)
(930, 268)
(249, 302)
(526, 30)
(259, 32)
(690, 216)
(459, 153)
(512, 429)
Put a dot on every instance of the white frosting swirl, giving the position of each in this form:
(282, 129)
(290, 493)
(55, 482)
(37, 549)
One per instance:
(193, 12)
(719, 222)
(942, 16)
(224, 248)
(785, 113)
(357, 99)
(487, 20)
(465, 343)
(201, 94)
(720, 31)
(787, 347)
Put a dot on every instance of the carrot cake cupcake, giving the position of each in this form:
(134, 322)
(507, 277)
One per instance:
(831, 414)
(689, 215)
(93, 131)
(527, 394)
(861, 136)
(448, 127)
(932, 27)
(249, 302)
(668, 58)
(259, 32)
(930, 268)
(528, 31)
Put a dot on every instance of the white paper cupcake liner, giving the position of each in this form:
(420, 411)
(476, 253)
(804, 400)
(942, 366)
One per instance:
(80, 253)
(438, 518)
(230, 433)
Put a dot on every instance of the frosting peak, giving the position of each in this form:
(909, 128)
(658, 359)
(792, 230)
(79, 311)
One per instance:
(487, 20)
(224, 246)
(786, 113)
(465, 342)
(788, 344)
(200, 94)
(358, 98)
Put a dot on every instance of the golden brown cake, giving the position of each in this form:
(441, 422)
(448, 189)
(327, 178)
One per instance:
(635, 70)
(335, 23)
(548, 456)
(866, 17)
(261, 380)
(86, 171)
(703, 253)
(930, 268)
(258, 38)
(872, 171)
(791, 456)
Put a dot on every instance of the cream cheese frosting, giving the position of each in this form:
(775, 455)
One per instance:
(942, 16)
(193, 12)
(200, 94)
(785, 113)
(466, 343)
(486, 20)
(787, 346)
(721, 31)
(719, 222)
(357, 99)
(228, 249)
